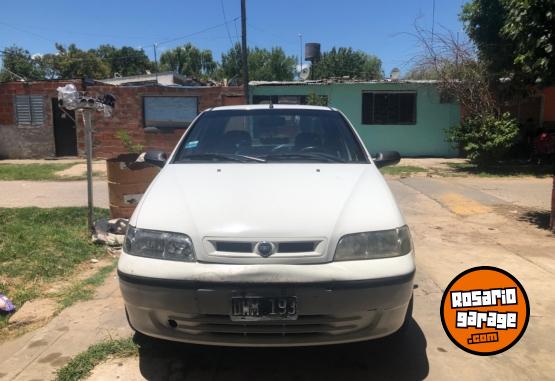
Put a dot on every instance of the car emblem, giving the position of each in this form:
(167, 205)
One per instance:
(265, 248)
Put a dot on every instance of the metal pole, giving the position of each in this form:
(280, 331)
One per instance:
(244, 54)
(88, 153)
(156, 63)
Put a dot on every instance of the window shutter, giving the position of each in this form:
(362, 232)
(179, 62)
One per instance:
(37, 109)
(29, 110)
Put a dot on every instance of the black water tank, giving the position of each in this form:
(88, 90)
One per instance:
(312, 51)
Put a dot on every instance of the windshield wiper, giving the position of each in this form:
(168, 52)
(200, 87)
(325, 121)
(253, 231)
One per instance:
(316, 156)
(219, 156)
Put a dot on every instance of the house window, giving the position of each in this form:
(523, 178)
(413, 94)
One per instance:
(29, 110)
(169, 112)
(384, 107)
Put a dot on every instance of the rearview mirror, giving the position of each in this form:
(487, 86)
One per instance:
(156, 157)
(385, 158)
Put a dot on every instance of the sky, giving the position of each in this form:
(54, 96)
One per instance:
(381, 28)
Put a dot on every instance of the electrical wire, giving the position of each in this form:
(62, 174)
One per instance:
(80, 59)
(225, 21)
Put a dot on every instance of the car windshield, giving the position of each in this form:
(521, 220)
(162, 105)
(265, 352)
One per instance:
(271, 135)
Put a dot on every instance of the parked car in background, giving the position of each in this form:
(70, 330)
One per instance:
(269, 225)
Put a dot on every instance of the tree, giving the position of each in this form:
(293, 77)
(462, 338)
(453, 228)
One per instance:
(271, 65)
(339, 62)
(18, 64)
(485, 134)
(189, 60)
(530, 26)
(514, 38)
(72, 62)
(124, 61)
(264, 64)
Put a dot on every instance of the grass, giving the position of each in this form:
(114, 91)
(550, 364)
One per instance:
(402, 169)
(502, 170)
(82, 364)
(84, 290)
(39, 172)
(39, 246)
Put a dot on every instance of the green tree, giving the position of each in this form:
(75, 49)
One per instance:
(340, 62)
(189, 60)
(125, 60)
(264, 64)
(530, 26)
(18, 63)
(514, 38)
(72, 62)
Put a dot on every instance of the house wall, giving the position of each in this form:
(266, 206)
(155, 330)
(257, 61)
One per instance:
(128, 115)
(425, 138)
(24, 142)
(38, 141)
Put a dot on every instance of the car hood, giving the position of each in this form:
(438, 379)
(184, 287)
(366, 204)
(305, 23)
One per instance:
(261, 200)
(268, 201)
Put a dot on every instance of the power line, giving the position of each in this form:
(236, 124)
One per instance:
(198, 32)
(225, 21)
(71, 32)
(80, 59)
(26, 31)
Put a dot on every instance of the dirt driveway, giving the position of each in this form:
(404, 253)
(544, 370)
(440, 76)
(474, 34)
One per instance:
(455, 225)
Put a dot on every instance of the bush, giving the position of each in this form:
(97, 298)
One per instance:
(485, 139)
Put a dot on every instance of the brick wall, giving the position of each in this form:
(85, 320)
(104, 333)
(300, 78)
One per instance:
(26, 141)
(38, 141)
(128, 115)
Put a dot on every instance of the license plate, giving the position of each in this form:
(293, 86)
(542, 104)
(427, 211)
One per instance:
(263, 308)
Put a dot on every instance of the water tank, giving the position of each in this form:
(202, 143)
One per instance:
(312, 51)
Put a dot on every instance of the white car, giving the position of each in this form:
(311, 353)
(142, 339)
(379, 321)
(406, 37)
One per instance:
(269, 225)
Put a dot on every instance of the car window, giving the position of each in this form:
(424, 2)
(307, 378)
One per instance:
(270, 135)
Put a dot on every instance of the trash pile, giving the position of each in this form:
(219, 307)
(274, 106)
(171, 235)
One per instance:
(71, 99)
(110, 232)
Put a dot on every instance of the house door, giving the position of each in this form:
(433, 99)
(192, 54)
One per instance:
(65, 136)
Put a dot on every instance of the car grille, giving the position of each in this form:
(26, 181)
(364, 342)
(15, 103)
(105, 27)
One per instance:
(244, 250)
(304, 325)
(248, 247)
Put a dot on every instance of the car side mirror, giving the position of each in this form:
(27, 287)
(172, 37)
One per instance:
(156, 157)
(385, 158)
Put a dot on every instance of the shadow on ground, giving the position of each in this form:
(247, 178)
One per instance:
(538, 218)
(513, 168)
(398, 357)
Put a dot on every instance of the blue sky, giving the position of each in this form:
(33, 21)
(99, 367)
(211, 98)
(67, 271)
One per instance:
(376, 27)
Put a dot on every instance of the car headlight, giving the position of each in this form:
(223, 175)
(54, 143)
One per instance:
(373, 245)
(159, 245)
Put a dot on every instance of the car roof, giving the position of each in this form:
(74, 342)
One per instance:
(274, 106)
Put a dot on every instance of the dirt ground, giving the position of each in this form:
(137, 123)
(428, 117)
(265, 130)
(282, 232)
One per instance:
(455, 225)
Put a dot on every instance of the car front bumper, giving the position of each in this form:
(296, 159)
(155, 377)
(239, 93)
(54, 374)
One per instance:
(331, 309)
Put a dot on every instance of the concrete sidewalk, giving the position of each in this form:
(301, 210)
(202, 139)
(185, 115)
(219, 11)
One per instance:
(36, 355)
(49, 194)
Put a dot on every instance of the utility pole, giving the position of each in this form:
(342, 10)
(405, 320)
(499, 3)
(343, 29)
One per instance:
(88, 148)
(244, 55)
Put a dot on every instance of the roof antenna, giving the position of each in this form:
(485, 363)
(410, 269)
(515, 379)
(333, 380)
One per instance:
(271, 105)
